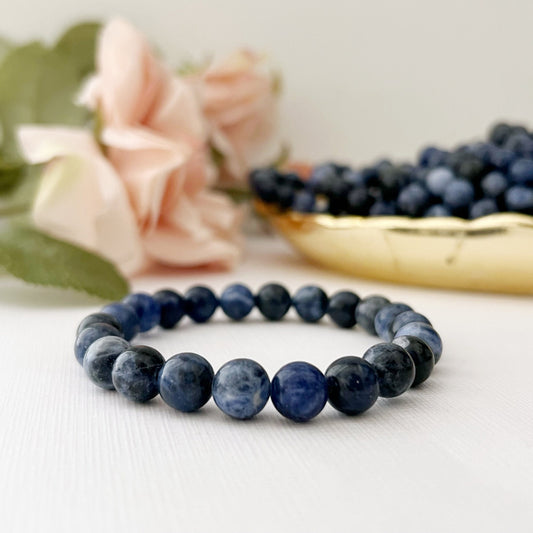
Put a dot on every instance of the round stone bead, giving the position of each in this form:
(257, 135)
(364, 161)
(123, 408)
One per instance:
(438, 210)
(366, 312)
(458, 195)
(341, 308)
(483, 207)
(172, 306)
(426, 333)
(148, 310)
(185, 382)
(98, 318)
(519, 199)
(406, 318)
(299, 391)
(237, 301)
(521, 172)
(385, 317)
(90, 334)
(273, 300)
(136, 371)
(494, 184)
(127, 317)
(200, 303)
(352, 385)
(100, 357)
(437, 179)
(241, 388)
(311, 303)
(421, 355)
(394, 367)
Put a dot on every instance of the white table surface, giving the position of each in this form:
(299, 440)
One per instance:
(454, 455)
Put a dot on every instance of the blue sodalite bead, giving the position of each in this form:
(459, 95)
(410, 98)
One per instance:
(366, 312)
(421, 355)
(413, 200)
(426, 333)
(136, 371)
(494, 185)
(352, 385)
(304, 202)
(521, 172)
(438, 210)
(172, 305)
(483, 207)
(311, 303)
(88, 335)
(127, 316)
(241, 388)
(98, 318)
(273, 300)
(519, 199)
(341, 308)
(385, 317)
(458, 195)
(185, 382)
(100, 357)
(437, 179)
(148, 310)
(299, 391)
(200, 303)
(237, 301)
(405, 318)
(394, 367)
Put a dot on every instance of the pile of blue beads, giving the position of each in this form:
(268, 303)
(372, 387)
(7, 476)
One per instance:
(470, 181)
(241, 387)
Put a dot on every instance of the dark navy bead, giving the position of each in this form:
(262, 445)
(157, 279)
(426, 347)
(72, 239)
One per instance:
(352, 385)
(406, 318)
(432, 157)
(521, 172)
(520, 143)
(426, 333)
(438, 210)
(494, 184)
(394, 367)
(241, 388)
(136, 371)
(311, 303)
(304, 202)
(458, 195)
(358, 202)
(172, 307)
(88, 335)
(263, 183)
(483, 207)
(100, 357)
(341, 308)
(519, 199)
(421, 355)
(382, 209)
(385, 317)
(98, 318)
(237, 301)
(299, 391)
(185, 382)
(147, 308)
(501, 159)
(200, 303)
(273, 300)
(354, 178)
(413, 200)
(366, 311)
(127, 317)
(499, 133)
(437, 179)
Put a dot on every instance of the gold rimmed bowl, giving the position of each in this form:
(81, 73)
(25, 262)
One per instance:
(492, 253)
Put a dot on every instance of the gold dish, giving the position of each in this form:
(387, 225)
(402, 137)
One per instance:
(492, 253)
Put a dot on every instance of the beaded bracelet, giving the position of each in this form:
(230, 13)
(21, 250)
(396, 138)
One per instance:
(241, 387)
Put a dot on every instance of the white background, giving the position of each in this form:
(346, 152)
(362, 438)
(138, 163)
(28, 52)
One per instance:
(362, 79)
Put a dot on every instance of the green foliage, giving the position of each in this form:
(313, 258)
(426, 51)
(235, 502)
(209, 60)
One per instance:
(40, 259)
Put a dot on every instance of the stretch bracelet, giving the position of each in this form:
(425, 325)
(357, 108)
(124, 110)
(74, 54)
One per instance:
(241, 387)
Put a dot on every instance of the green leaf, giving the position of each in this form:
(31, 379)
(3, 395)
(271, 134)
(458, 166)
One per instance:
(5, 47)
(19, 196)
(78, 46)
(40, 259)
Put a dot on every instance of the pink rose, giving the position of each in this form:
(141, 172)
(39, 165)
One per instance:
(156, 156)
(239, 101)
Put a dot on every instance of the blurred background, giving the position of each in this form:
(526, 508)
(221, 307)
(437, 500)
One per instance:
(362, 79)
